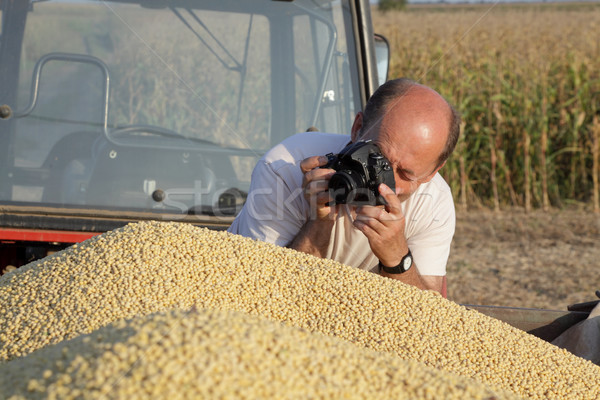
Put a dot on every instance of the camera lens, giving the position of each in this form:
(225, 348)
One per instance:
(344, 184)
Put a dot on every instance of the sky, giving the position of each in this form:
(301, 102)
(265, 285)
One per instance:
(490, 1)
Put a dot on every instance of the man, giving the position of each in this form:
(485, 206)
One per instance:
(408, 239)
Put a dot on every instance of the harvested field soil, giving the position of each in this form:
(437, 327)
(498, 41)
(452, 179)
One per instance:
(513, 258)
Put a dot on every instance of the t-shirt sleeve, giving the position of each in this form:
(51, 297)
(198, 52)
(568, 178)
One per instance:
(431, 246)
(273, 210)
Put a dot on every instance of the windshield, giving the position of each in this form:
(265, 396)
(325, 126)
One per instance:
(165, 106)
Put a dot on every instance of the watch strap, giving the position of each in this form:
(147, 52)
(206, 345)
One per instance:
(404, 265)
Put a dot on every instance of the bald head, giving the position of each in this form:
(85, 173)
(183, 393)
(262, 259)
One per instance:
(425, 114)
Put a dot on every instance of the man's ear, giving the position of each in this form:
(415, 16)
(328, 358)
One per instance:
(356, 126)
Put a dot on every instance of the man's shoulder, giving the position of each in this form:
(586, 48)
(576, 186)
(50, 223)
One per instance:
(437, 186)
(430, 209)
(432, 197)
(440, 183)
(303, 145)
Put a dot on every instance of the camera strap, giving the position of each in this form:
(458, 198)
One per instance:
(349, 213)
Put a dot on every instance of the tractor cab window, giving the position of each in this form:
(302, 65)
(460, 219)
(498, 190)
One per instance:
(163, 107)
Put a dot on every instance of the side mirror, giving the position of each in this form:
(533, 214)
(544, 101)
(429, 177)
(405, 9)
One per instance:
(382, 56)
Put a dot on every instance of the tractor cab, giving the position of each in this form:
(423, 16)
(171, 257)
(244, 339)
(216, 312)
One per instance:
(119, 111)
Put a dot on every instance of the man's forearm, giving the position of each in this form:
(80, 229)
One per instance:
(411, 277)
(414, 278)
(313, 238)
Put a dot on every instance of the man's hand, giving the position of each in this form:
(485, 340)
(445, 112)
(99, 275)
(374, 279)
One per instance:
(314, 236)
(384, 228)
(315, 186)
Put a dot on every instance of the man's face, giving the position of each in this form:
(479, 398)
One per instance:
(410, 170)
(411, 136)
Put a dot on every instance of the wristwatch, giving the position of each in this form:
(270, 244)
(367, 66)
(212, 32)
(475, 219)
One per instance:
(404, 265)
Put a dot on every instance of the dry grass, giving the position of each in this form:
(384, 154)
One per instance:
(518, 259)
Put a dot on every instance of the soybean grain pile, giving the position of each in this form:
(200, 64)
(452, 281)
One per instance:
(209, 354)
(152, 266)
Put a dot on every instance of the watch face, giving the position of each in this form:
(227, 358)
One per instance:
(407, 263)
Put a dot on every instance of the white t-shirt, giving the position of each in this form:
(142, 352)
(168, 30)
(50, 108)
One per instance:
(276, 209)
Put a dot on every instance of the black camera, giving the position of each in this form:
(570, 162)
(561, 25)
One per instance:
(360, 168)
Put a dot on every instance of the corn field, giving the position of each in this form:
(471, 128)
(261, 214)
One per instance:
(526, 80)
